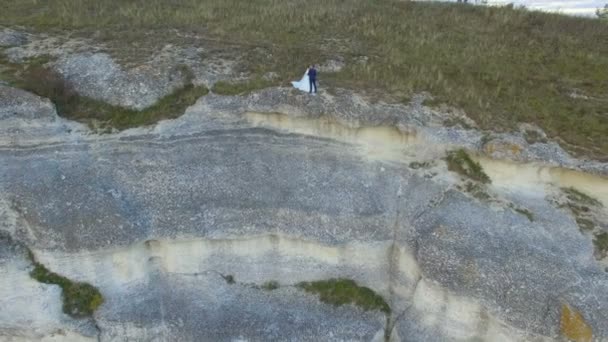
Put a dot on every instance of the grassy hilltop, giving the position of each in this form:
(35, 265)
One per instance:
(501, 65)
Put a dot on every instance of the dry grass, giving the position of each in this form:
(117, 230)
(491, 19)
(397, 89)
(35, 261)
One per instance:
(573, 326)
(501, 65)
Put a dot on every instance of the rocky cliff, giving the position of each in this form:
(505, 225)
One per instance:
(209, 227)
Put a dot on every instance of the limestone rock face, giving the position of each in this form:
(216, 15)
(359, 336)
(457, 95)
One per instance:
(9, 37)
(16, 104)
(26, 118)
(99, 77)
(181, 224)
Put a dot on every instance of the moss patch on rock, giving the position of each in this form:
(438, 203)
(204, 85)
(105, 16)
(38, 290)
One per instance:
(573, 325)
(346, 291)
(79, 299)
(460, 162)
(527, 213)
(601, 243)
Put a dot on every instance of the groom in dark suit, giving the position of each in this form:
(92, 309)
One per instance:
(312, 77)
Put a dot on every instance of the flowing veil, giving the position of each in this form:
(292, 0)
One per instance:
(303, 84)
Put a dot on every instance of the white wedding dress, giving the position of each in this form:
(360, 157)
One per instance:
(303, 84)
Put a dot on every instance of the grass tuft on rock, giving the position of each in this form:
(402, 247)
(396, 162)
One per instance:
(527, 213)
(270, 285)
(579, 197)
(79, 299)
(229, 279)
(460, 162)
(581, 204)
(346, 291)
(47, 83)
(601, 243)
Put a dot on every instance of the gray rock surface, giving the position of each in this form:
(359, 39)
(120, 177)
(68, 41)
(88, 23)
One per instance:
(9, 37)
(26, 118)
(17, 104)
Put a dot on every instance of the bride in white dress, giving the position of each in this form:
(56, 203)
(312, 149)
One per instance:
(304, 83)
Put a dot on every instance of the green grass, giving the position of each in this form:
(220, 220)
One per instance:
(69, 104)
(460, 162)
(345, 291)
(502, 65)
(79, 299)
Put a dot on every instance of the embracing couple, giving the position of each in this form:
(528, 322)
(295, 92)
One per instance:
(309, 80)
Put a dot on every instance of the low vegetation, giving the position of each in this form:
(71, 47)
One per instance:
(460, 162)
(581, 205)
(601, 243)
(79, 299)
(270, 285)
(533, 137)
(346, 291)
(502, 65)
(527, 213)
(476, 190)
(579, 197)
(47, 83)
(229, 279)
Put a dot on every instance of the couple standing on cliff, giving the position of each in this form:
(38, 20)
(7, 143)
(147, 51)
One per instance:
(308, 81)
